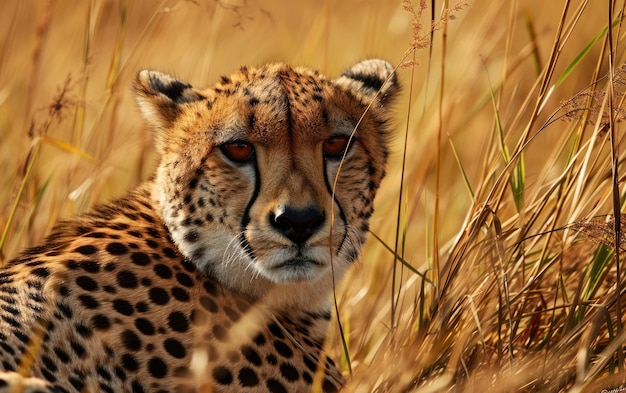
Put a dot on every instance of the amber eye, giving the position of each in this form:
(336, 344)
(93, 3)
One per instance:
(335, 146)
(238, 151)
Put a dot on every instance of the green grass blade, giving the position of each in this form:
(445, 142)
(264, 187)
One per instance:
(399, 258)
(581, 55)
(462, 168)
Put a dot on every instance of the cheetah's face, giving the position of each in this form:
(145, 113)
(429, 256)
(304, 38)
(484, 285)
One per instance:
(261, 177)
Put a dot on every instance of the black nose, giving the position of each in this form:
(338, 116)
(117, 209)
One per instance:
(297, 224)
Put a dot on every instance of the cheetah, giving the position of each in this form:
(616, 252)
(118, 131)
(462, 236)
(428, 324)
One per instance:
(215, 274)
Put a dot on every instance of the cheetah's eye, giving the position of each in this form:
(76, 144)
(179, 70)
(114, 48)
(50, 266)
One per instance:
(335, 146)
(238, 151)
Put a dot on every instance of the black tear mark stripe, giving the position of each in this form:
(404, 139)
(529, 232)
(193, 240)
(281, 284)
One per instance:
(342, 215)
(245, 219)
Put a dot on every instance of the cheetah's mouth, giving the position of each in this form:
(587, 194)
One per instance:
(298, 262)
(297, 269)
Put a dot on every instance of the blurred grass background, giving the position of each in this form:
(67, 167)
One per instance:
(506, 284)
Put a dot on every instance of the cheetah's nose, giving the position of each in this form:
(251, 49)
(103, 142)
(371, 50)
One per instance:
(298, 225)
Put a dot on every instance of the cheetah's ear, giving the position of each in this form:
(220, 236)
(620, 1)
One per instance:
(369, 77)
(161, 97)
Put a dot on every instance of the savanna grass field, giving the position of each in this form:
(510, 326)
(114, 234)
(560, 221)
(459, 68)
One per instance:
(495, 262)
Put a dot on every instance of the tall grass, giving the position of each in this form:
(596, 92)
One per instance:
(494, 253)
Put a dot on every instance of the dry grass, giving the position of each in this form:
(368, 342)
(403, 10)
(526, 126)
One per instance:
(512, 127)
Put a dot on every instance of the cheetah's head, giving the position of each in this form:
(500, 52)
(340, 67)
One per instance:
(267, 179)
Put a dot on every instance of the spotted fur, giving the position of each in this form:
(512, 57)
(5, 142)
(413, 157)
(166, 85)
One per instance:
(215, 274)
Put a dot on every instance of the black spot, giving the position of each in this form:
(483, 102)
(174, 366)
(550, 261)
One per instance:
(83, 330)
(253, 101)
(88, 301)
(159, 296)
(78, 349)
(192, 236)
(87, 283)
(154, 233)
(162, 271)
(120, 373)
(48, 363)
(180, 294)
(232, 314)
(289, 372)
(175, 348)
(208, 304)
(104, 373)
(310, 363)
(100, 322)
(276, 331)
(129, 362)
(222, 375)
(328, 386)
(72, 264)
(7, 348)
(275, 386)
(65, 309)
(90, 266)
(220, 332)
(184, 279)
(131, 340)
(36, 297)
(141, 306)
(189, 266)
(126, 279)
(48, 375)
(247, 377)
(168, 252)
(283, 349)
(123, 307)
(251, 355)
(144, 326)
(78, 384)
(140, 259)
(109, 267)
(86, 250)
(116, 248)
(259, 339)
(120, 226)
(135, 234)
(157, 368)
(10, 310)
(210, 288)
(62, 355)
(178, 321)
(41, 272)
(137, 387)
(147, 217)
(10, 290)
(307, 377)
(271, 359)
